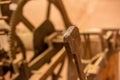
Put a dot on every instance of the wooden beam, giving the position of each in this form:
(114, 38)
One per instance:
(5, 2)
(48, 69)
(3, 17)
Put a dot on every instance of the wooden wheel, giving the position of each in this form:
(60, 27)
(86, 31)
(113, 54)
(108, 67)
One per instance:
(38, 34)
(16, 17)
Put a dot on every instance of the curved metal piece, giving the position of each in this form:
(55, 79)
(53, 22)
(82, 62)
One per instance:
(15, 19)
(61, 8)
(39, 35)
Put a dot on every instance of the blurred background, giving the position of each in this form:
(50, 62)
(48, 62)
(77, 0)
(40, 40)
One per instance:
(99, 17)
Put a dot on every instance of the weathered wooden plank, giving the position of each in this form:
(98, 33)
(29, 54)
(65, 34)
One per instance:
(72, 44)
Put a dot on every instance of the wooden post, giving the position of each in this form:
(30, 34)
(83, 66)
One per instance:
(72, 45)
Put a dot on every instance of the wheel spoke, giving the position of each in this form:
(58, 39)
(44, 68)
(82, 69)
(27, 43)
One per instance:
(27, 23)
